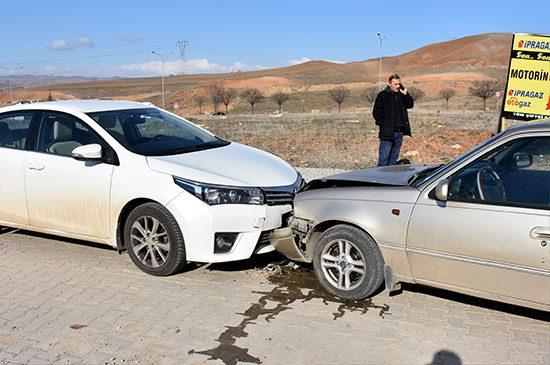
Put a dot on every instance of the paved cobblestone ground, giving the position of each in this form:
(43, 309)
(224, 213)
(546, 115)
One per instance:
(65, 301)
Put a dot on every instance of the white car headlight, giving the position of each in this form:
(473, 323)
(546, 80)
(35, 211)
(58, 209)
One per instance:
(219, 194)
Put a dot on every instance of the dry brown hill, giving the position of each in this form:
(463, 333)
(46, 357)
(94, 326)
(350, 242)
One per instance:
(456, 63)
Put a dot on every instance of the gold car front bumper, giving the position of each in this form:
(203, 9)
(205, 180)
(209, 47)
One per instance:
(284, 241)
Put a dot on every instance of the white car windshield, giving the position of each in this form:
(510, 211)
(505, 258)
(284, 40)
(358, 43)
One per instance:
(153, 132)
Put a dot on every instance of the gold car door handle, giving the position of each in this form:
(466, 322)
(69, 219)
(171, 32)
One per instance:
(540, 233)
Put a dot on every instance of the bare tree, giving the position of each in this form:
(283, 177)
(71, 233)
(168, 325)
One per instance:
(227, 97)
(200, 99)
(483, 90)
(252, 96)
(280, 98)
(215, 90)
(339, 95)
(447, 94)
(416, 93)
(369, 94)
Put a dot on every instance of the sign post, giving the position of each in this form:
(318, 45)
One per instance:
(501, 125)
(527, 92)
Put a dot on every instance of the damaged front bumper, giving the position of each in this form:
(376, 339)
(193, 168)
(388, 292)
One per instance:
(292, 240)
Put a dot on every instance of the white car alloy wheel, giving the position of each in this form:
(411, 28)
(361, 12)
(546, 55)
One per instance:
(154, 240)
(343, 264)
(150, 242)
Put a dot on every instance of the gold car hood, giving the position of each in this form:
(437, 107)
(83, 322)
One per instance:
(398, 175)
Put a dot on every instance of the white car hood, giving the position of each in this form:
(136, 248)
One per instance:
(234, 164)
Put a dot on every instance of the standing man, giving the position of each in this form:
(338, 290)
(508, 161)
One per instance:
(390, 114)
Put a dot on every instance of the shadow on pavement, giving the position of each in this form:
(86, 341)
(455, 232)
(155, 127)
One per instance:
(262, 261)
(274, 259)
(64, 239)
(7, 230)
(446, 357)
(479, 302)
(255, 262)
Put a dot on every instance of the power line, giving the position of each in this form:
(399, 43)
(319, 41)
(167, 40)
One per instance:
(181, 45)
(162, 55)
(11, 70)
(380, 37)
(79, 58)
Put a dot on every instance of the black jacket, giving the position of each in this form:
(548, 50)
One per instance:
(382, 113)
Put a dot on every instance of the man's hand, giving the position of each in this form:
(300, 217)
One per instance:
(403, 91)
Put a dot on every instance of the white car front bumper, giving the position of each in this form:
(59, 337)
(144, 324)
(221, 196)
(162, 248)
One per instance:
(200, 222)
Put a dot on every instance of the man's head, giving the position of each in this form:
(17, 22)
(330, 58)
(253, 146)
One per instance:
(394, 81)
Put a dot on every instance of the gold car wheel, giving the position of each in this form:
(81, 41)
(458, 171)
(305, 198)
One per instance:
(343, 264)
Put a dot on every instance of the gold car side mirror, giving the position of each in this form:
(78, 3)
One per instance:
(442, 190)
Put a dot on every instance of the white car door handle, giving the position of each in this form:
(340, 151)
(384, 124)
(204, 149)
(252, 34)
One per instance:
(540, 233)
(35, 166)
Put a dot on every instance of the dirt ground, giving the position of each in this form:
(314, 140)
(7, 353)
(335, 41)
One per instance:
(349, 140)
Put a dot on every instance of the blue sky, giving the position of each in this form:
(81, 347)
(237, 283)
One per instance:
(113, 38)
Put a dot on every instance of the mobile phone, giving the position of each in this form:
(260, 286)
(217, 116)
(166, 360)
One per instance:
(401, 87)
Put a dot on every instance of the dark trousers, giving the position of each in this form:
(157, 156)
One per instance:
(388, 151)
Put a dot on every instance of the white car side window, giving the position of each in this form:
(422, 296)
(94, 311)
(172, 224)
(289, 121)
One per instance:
(60, 134)
(14, 128)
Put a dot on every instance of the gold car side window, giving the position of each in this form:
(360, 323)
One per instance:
(515, 174)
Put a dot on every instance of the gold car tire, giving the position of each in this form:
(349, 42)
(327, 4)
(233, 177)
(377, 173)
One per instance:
(348, 263)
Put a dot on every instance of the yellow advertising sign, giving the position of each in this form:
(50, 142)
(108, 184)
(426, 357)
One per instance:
(527, 94)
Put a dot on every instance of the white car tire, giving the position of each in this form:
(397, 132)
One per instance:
(154, 240)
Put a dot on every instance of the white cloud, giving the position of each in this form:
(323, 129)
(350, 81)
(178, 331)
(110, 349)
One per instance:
(203, 65)
(59, 71)
(129, 38)
(60, 45)
(238, 66)
(199, 65)
(49, 69)
(85, 42)
(149, 68)
(297, 61)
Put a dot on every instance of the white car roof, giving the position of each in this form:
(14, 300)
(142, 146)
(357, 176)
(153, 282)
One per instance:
(84, 106)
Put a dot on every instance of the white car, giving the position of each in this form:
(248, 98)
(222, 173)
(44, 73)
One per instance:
(140, 179)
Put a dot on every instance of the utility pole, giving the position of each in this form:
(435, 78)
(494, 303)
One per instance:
(380, 37)
(181, 45)
(10, 70)
(162, 55)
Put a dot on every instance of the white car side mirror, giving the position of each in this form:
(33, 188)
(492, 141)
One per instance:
(442, 190)
(89, 152)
